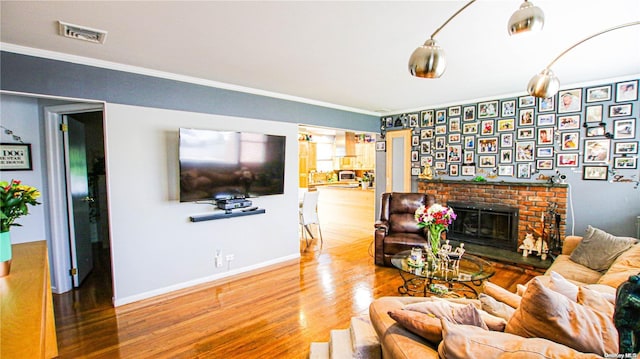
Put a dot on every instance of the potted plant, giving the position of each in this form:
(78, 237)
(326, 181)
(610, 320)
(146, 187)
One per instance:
(14, 198)
(365, 181)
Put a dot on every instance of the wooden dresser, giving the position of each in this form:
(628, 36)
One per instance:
(27, 324)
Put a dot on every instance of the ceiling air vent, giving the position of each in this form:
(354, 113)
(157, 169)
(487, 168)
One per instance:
(82, 32)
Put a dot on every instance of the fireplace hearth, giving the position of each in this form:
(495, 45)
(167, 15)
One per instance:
(485, 224)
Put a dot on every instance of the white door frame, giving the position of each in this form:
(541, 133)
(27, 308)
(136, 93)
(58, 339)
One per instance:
(57, 184)
(404, 168)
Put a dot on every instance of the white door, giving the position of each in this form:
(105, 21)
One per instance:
(398, 169)
(78, 199)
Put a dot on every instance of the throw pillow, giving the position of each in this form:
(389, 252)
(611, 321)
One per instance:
(501, 294)
(595, 301)
(598, 249)
(492, 322)
(421, 324)
(546, 314)
(559, 284)
(467, 342)
(456, 313)
(495, 307)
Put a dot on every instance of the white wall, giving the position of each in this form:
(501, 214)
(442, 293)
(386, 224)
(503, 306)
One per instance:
(155, 248)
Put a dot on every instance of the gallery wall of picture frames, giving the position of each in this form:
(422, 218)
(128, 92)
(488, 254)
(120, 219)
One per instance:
(589, 129)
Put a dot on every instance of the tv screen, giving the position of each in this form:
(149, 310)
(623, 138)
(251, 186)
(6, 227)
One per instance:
(226, 164)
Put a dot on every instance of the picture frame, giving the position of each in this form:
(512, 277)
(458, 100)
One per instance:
(525, 117)
(547, 119)
(508, 108)
(469, 142)
(570, 101)
(596, 151)
(413, 120)
(425, 148)
(597, 94)
(454, 153)
(525, 151)
(440, 165)
(415, 140)
(16, 157)
(388, 122)
(426, 160)
(488, 145)
(453, 170)
(624, 128)
(506, 156)
(415, 171)
(627, 91)
(414, 156)
(526, 101)
(487, 109)
(426, 118)
(625, 162)
(454, 111)
(487, 161)
(486, 127)
(381, 146)
(544, 152)
(620, 110)
(595, 131)
(441, 155)
(468, 170)
(454, 138)
(441, 143)
(507, 124)
(625, 148)
(524, 170)
(506, 140)
(569, 122)
(595, 173)
(441, 129)
(454, 124)
(544, 164)
(570, 141)
(547, 104)
(545, 136)
(470, 128)
(469, 113)
(426, 134)
(441, 117)
(505, 170)
(567, 160)
(469, 157)
(525, 133)
(593, 113)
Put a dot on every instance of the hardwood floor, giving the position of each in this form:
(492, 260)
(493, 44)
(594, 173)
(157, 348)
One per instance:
(271, 314)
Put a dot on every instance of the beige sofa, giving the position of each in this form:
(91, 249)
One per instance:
(398, 342)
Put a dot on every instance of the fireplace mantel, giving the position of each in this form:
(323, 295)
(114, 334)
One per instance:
(493, 183)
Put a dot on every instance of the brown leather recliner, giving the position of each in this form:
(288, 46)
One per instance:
(397, 230)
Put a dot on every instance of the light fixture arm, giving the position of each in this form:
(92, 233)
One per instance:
(451, 18)
(591, 37)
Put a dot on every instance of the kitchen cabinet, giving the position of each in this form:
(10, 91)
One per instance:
(365, 156)
(306, 161)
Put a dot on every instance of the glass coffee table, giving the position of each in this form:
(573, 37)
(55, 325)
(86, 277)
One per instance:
(452, 282)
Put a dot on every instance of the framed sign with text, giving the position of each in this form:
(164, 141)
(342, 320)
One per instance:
(15, 157)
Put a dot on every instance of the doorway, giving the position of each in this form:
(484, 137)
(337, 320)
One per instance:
(80, 245)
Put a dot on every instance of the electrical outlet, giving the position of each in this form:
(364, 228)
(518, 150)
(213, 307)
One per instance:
(230, 257)
(219, 262)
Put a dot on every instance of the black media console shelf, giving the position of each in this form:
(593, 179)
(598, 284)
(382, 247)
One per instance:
(221, 215)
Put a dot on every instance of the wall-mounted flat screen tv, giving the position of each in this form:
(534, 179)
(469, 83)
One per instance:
(226, 164)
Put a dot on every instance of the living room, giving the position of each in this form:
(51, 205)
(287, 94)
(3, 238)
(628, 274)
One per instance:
(155, 248)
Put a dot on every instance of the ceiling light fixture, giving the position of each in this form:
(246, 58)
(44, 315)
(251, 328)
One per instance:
(546, 83)
(429, 61)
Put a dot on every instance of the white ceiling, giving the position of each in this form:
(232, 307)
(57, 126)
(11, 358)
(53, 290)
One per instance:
(349, 54)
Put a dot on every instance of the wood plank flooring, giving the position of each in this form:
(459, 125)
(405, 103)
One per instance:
(272, 314)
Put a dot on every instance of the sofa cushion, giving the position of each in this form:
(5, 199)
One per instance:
(560, 285)
(501, 294)
(546, 314)
(626, 265)
(468, 342)
(598, 249)
(422, 324)
(594, 300)
(573, 271)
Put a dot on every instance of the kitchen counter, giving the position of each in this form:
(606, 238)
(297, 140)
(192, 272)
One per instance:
(347, 206)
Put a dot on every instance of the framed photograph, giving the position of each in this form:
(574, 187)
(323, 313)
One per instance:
(506, 140)
(454, 124)
(488, 109)
(388, 122)
(626, 162)
(570, 101)
(525, 133)
(595, 173)
(627, 91)
(454, 111)
(487, 161)
(488, 145)
(441, 142)
(426, 160)
(454, 153)
(486, 127)
(595, 131)
(544, 164)
(545, 136)
(567, 160)
(597, 94)
(625, 148)
(593, 113)
(15, 157)
(415, 171)
(596, 151)
(425, 148)
(624, 129)
(508, 124)
(454, 138)
(415, 141)
(524, 170)
(441, 129)
(453, 170)
(526, 101)
(570, 141)
(620, 110)
(441, 116)
(413, 120)
(469, 157)
(524, 151)
(469, 142)
(441, 155)
(506, 156)
(547, 104)
(570, 122)
(469, 113)
(440, 165)
(426, 118)
(544, 152)
(548, 119)
(508, 108)
(426, 134)
(414, 156)
(469, 128)
(525, 117)
(381, 146)
(505, 170)
(468, 170)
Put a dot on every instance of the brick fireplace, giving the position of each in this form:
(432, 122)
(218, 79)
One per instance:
(530, 200)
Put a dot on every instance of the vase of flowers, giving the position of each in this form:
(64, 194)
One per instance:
(435, 219)
(14, 198)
